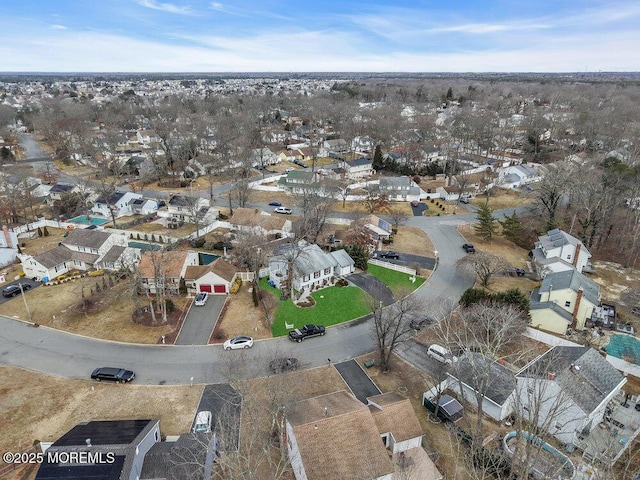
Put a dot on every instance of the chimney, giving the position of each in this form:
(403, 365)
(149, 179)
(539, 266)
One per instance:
(551, 376)
(574, 319)
(88, 442)
(575, 256)
(7, 237)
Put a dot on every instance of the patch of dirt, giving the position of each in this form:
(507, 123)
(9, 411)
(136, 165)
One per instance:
(35, 406)
(241, 317)
(501, 198)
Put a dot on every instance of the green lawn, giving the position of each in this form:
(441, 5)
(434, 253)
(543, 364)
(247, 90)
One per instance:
(398, 282)
(333, 305)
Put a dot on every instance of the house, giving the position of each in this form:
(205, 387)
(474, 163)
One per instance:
(261, 157)
(430, 153)
(164, 268)
(82, 249)
(338, 145)
(335, 436)
(106, 449)
(185, 457)
(363, 144)
(518, 175)
(476, 374)
(216, 278)
(401, 189)
(8, 247)
(299, 181)
(311, 266)
(57, 191)
(259, 222)
(183, 208)
(120, 203)
(344, 263)
(357, 168)
(567, 390)
(564, 300)
(377, 228)
(397, 423)
(558, 251)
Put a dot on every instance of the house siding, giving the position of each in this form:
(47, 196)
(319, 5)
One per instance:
(152, 437)
(407, 444)
(294, 454)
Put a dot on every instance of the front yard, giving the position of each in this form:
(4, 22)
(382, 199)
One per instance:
(333, 305)
(399, 283)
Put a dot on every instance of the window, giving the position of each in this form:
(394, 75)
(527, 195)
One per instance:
(327, 271)
(568, 257)
(77, 263)
(306, 278)
(567, 303)
(316, 274)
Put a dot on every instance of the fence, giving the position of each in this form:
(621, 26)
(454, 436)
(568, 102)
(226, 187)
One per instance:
(248, 276)
(391, 266)
(9, 467)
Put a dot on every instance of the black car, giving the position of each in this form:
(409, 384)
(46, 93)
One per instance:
(308, 331)
(284, 364)
(469, 248)
(420, 323)
(389, 254)
(113, 374)
(13, 290)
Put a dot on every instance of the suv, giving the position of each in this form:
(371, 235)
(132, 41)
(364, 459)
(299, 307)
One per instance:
(203, 422)
(113, 374)
(389, 254)
(464, 200)
(308, 331)
(469, 248)
(285, 210)
(201, 299)
(13, 290)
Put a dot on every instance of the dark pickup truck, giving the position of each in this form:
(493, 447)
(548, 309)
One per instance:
(308, 331)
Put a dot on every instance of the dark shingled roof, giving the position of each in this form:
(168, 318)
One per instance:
(82, 237)
(486, 375)
(113, 254)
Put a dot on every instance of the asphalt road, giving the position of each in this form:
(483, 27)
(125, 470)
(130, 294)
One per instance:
(17, 297)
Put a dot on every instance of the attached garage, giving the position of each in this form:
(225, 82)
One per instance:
(215, 278)
(205, 288)
(219, 289)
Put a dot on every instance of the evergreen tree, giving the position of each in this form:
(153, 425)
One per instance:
(378, 161)
(183, 287)
(39, 232)
(450, 94)
(45, 231)
(359, 254)
(512, 228)
(487, 224)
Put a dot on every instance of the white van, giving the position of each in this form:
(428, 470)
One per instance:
(203, 422)
(441, 354)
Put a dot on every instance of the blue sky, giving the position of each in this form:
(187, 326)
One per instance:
(319, 35)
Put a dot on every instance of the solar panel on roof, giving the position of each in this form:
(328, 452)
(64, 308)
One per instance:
(110, 432)
(111, 471)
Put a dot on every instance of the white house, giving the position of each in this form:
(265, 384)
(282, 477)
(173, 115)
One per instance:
(566, 391)
(121, 203)
(183, 208)
(216, 278)
(558, 251)
(312, 267)
(260, 222)
(401, 189)
(8, 247)
(83, 249)
(344, 263)
(358, 168)
(261, 157)
(563, 300)
(518, 175)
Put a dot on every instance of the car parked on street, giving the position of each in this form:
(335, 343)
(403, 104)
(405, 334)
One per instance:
(275, 204)
(236, 343)
(389, 254)
(201, 299)
(284, 210)
(308, 331)
(283, 364)
(420, 323)
(469, 248)
(13, 290)
(113, 374)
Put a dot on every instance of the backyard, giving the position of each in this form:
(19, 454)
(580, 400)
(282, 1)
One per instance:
(333, 305)
(399, 283)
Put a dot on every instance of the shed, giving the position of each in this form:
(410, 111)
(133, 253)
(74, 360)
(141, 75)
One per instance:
(450, 410)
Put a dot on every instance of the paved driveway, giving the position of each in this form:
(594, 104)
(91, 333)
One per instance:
(358, 381)
(200, 322)
(225, 405)
(372, 286)
(26, 293)
(415, 353)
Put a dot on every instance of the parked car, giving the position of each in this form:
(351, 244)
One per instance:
(414, 203)
(300, 163)
(201, 299)
(275, 204)
(238, 342)
(441, 354)
(284, 364)
(203, 422)
(113, 374)
(308, 331)
(285, 210)
(464, 199)
(13, 290)
(420, 323)
(519, 272)
(469, 248)
(389, 254)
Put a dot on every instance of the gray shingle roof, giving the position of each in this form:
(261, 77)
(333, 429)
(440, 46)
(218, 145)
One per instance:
(343, 258)
(86, 238)
(113, 254)
(485, 375)
(574, 280)
(53, 257)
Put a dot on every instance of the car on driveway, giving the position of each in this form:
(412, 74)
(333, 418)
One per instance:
(236, 343)
(414, 203)
(283, 364)
(308, 331)
(275, 204)
(113, 374)
(201, 299)
(203, 422)
(469, 248)
(464, 200)
(389, 254)
(13, 290)
(285, 210)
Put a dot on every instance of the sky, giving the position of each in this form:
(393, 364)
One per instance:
(319, 36)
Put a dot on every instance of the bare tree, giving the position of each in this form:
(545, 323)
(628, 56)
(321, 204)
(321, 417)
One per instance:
(316, 202)
(374, 200)
(550, 191)
(484, 265)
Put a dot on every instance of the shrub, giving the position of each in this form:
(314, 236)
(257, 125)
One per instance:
(137, 236)
(235, 288)
(342, 283)
(222, 216)
(96, 273)
(153, 237)
(170, 305)
(39, 232)
(45, 231)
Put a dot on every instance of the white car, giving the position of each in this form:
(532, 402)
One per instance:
(203, 422)
(285, 210)
(238, 342)
(201, 299)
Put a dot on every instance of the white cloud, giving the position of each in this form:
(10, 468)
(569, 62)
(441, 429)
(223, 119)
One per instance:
(165, 7)
(58, 27)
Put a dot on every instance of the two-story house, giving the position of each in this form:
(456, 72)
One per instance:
(518, 175)
(300, 181)
(164, 269)
(82, 250)
(401, 189)
(120, 203)
(183, 208)
(558, 251)
(57, 191)
(563, 300)
(357, 168)
(310, 265)
(338, 145)
(257, 221)
(216, 278)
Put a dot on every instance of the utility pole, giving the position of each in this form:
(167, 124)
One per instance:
(26, 306)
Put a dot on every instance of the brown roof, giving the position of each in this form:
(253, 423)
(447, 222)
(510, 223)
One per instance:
(88, 258)
(86, 238)
(393, 413)
(220, 267)
(172, 262)
(246, 216)
(338, 438)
